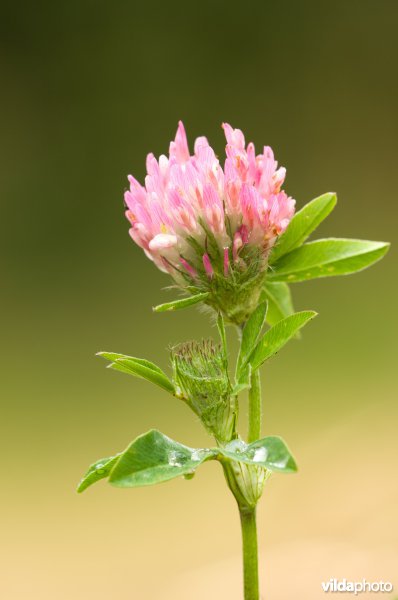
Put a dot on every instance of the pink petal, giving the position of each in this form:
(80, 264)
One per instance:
(162, 241)
(179, 148)
(234, 137)
(188, 267)
(200, 142)
(182, 190)
(226, 261)
(207, 265)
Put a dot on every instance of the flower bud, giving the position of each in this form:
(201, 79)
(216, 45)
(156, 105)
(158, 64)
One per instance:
(201, 380)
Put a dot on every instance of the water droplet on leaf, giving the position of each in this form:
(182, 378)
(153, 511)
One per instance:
(196, 455)
(280, 464)
(260, 455)
(174, 459)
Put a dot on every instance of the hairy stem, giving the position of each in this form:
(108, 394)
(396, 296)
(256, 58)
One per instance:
(250, 554)
(254, 430)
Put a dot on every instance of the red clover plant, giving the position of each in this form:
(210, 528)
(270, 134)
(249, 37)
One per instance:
(230, 239)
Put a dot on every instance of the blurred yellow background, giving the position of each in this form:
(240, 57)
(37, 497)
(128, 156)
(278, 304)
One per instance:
(88, 88)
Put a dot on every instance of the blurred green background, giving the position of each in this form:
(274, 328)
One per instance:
(87, 89)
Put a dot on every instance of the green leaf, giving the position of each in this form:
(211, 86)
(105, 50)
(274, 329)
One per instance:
(98, 470)
(153, 458)
(250, 336)
(278, 335)
(139, 367)
(280, 303)
(270, 452)
(303, 224)
(183, 303)
(244, 380)
(113, 356)
(325, 258)
(126, 365)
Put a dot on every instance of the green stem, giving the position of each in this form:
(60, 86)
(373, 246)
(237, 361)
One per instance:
(254, 432)
(250, 554)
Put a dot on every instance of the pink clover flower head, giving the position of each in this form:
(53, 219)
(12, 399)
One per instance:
(211, 226)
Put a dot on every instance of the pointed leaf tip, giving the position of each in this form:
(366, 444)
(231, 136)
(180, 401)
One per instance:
(97, 471)
(183, 303)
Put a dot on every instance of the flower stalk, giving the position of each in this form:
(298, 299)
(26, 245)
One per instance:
(250, 554)
(255, 408)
